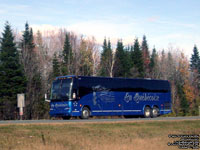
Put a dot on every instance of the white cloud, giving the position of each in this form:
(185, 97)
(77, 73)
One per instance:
(175, 23)
(16, 7)
(97, 29)
(127, 32)
(101, 29)
(153, 19)
(44, 27)
(181, 41)
(2, 11)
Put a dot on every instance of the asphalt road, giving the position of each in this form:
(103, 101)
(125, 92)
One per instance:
(98, 120)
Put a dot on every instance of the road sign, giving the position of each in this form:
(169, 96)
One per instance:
(20, 100)
(199, 110)
(20, 104)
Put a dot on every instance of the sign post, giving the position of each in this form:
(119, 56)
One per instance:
(199, 110)
(20, 104)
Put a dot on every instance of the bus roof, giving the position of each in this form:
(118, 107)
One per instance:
(121, 83)
(136, 79)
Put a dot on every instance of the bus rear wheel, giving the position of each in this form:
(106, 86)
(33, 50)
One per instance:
(147, 112)
(85, 114)
(155, 112)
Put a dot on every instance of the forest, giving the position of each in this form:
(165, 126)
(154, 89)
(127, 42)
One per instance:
(30, 61)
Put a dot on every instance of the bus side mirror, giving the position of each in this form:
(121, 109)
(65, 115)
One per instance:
(46, 98)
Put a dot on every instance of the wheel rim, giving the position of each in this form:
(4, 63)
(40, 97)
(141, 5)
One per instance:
(155, 112)
(85, 113)
(147, 112)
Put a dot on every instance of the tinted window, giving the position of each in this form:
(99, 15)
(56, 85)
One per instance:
(61, 89)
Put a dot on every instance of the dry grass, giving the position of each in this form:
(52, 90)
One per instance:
(94, 136)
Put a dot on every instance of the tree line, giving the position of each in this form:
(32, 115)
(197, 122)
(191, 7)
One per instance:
(29, 62)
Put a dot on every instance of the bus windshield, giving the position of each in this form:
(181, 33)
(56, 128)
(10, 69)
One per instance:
(61, 89)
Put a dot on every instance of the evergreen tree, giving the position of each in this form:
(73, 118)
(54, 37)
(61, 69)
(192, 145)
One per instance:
(170, 67)
(122, 63)
(30, 59)
(67, 56)
(184, 106)
(31, 44)
(153, 64)
(56, 66)
(195, 59)
(136, 56)
(109, 61)
(119, 60)
(105, 46)
(106, 59)
(27, 46)
(12, 76)
(103, 59)
(109, 45)
(153, 59)
(127, 62)
(26, 35)
(145, 55)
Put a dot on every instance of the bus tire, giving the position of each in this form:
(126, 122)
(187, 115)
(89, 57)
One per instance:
(147, 112)
(155, 112)
(85, 114)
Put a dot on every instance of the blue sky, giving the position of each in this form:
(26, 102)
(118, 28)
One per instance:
(165, 22)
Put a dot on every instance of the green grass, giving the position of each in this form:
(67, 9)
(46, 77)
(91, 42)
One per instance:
(99, 136)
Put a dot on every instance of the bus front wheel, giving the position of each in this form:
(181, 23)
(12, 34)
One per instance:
(147, 112)
(85, 114)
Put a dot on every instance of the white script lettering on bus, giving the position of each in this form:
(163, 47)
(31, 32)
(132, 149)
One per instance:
(141, 97)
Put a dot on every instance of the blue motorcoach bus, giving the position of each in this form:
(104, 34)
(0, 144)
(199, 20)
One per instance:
(84, 96)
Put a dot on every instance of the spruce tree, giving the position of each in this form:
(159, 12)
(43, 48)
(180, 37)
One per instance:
(145, 55)
(122, 63)
(12, 76)
(153, 66)
(183, 101)
(106, 59)
(153, 59)
(103, 71)
(195, 59)
(31, 40)
(109, 45)
(127, 62)
(56, 66)
(67, 56)
(34, 95)
(105, 46)
(137, 59)
(26, 35)
(119, 60)
(109, 60)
